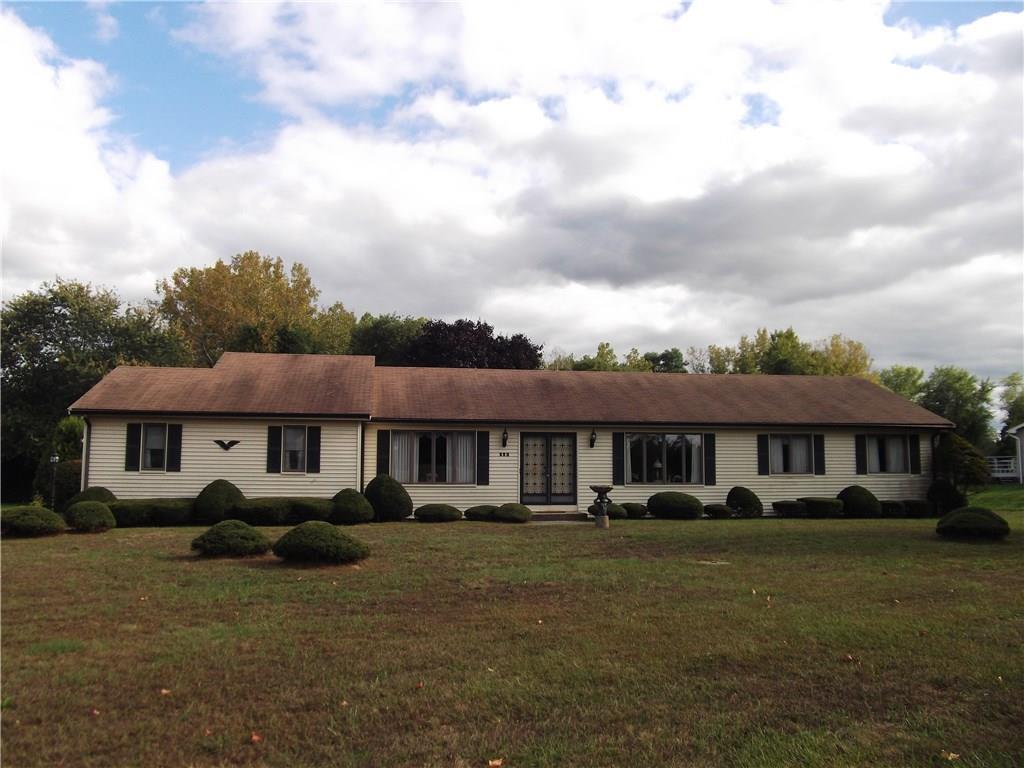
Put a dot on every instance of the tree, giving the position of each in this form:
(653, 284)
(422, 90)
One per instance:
(459, 344)
(516, 351)
(957, 395)
(636, 362)
(669, 361)
(961, 463)
(787, 354)
(1011, 400)
(332, 329)
(603, 360)
(905, 380)
(58, 342)
(389, 338)
(840, 356)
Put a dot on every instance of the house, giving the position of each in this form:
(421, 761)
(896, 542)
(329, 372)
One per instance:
(310, 425)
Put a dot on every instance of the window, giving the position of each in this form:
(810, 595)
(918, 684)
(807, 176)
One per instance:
(888, 453)
(665, 459)
(154, 446)
(294, 450)
(433, 457)
(791, 455)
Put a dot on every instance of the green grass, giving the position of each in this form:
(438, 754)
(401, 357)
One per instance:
(711, 643)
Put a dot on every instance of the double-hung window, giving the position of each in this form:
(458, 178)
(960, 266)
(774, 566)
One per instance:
(664, 458)
(791, 455)
(888, 453)
(293, 449)
(433, 457)
(154, 447)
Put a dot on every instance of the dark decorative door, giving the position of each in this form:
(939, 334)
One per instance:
(548, 468)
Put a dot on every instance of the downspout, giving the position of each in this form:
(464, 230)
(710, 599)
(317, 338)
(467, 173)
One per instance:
(86, 446)
(1020, 469)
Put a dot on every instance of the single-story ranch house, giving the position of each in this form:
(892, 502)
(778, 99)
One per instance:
(310, 425)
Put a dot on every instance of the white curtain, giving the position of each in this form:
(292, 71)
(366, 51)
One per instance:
(403, 455)
(696, 470)
(800, 454)
(874, 460)
(778, 464)
(895, 452)
(462, 457)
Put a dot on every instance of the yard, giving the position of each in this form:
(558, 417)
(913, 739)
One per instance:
(712, 643)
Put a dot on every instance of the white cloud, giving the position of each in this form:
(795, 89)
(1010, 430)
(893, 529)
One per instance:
(107, 27)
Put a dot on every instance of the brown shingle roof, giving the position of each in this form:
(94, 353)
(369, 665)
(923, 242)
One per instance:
(323, 385)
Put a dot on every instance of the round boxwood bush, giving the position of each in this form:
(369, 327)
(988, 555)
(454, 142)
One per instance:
(615, 511)
(858, 501)
(789, 508)
(512, 513)
(389, 499)
(893, 509)
(718, 511)
(30, 521)
(635, 511)
(973, 523)
(482, 513)
(673, 505)
(823, 506)
(744, 502)
(945, 497)
(350, 507)
(437, 513)
(95, 493)
(231, 538)
(916, 508)
(217, 501)
(90, 516)
(319, 542)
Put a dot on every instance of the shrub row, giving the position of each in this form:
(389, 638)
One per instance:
(314, 541)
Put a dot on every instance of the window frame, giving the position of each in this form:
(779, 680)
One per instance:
(417, 434)
(142, 446)
(883, 436)
(810, 445)
(628, 460)
(284, 448)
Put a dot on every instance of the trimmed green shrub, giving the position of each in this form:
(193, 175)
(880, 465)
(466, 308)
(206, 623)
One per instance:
(231, 538)
(858, 501)
(131, 513)
(718, 511)
(635, 511)
(945, 497)
(437, 513)
(672, 505)
(893, 509)
(789, 508)
(823, 506)
(302, 509)
(216, 501)
(973, 523)
(265, 511)
(136, 513)
(389, 499)
(90, 516)
(350, 507)
(30, 521)
(615, 511)
(916, 508)
(319, 542)
(744, 502)
(512, 513)
(483, 513)
(93, 493)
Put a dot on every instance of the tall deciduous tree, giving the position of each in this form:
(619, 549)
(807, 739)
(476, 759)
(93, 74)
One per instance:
(959, 396)
(389, 338)
(669, 361)
(905, 380)
(1011, 400)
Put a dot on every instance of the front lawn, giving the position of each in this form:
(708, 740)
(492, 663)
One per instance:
(712, 643)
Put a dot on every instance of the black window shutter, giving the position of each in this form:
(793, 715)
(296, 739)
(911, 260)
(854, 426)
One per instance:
(915, 454)
(274, 449)
(174, 447)
(383, 451)
(762, 455)
(483, 458)
(710, 477)
(312, 449)
(618, 458)
(132, 448)
(861, 451)
(819, 454)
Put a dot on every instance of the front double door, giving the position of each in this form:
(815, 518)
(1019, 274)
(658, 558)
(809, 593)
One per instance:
(548, 468)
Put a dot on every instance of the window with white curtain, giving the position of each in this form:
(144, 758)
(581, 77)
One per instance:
(664, 459)
(888, 453)
(433, 457)
(791, 455)
(154, 446)
(293, 449)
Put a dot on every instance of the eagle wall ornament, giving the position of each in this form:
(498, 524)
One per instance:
(227, 445)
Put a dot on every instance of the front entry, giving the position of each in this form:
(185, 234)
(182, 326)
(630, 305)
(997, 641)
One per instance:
(548, 468)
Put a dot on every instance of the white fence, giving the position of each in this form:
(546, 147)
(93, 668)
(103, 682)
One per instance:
(1003, 468)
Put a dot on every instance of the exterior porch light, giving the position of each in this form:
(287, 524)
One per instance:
(593, 437)
(504, 437)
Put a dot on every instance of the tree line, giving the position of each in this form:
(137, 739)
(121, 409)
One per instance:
(59, 340)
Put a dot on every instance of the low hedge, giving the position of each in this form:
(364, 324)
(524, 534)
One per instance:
(615, 511)
(90, 517)
(482, 513)
(136, 513)
(390, 501)
(858, 501)
(635, 511)
(305, 508)
(744, 502)
(216, 501)
(916, 508)
(973, 523)
(319, 542)
(893, 509)
(437, 513)
(822, 506)
(673, 505)
(350, 507)
(30, 521)
(231, 538)
(264, 511)
(93, 493)
(945, 497)
(789, 508)
(512, 513)
(718, 511)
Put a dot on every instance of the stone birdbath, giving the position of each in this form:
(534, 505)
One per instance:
(601, 502)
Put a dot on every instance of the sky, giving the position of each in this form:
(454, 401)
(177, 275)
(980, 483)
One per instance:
(646, 173)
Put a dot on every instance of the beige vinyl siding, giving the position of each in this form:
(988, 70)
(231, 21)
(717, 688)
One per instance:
(203, 461)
